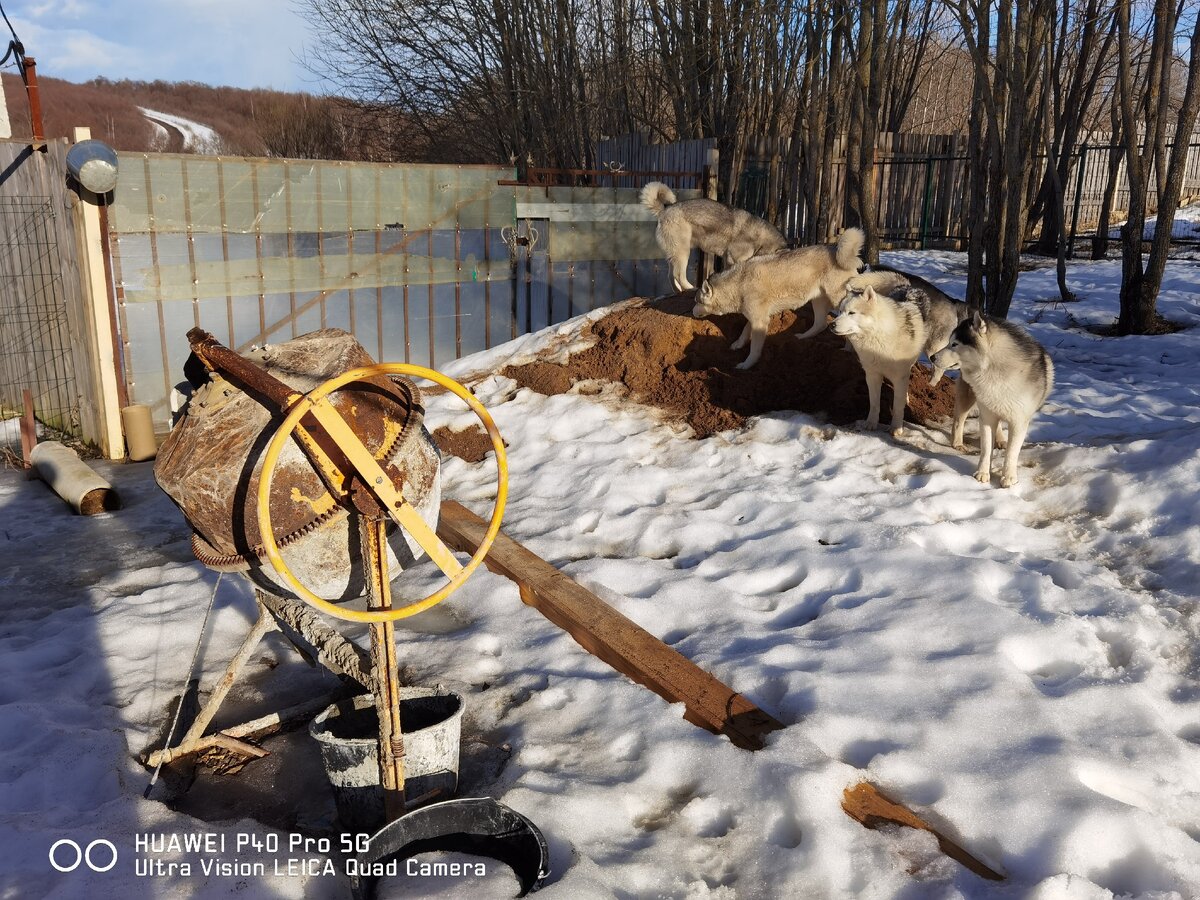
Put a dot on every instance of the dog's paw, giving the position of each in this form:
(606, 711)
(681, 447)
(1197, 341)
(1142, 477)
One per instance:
(746, 365)
(1007, 480)
(983, 476)
(898, 432)
(960, 447)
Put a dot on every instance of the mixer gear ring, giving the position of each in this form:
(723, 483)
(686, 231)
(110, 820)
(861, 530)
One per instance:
(314, 403)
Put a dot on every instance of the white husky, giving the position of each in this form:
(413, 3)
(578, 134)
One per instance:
(888, 335)
(1008, 374)
(765, 285)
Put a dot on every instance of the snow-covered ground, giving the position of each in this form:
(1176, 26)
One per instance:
(1021, 666)
(197, 138)
(1185, 225)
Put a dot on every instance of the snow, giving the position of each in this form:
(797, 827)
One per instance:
(197, 138)
(1185, 225)
(1020, 666)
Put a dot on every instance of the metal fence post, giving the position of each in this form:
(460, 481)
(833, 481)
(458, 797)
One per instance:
(1083, 152)
(709, 190)
(927, 200)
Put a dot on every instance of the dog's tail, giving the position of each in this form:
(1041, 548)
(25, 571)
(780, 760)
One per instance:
(849, 246)
(656, 197)
(885, 281)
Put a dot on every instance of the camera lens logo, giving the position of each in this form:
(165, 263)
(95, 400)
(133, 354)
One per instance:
(66, 855)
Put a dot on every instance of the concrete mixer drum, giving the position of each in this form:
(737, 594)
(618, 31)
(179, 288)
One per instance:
(211, 466)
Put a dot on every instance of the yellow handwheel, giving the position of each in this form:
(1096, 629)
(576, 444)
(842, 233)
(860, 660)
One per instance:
(374, 476)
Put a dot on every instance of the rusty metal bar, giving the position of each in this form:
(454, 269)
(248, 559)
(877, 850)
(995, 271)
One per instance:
(221, 359)
(28, 431)
(36, 126)
(373, 537)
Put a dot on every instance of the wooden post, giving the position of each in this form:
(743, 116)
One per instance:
(610, 636)
(98, 318)
(28, 432)
(262, 625)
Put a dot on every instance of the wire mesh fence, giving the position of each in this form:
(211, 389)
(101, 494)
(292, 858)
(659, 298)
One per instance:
(35, 348)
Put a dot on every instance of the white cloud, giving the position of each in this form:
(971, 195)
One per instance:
(59, 9)
(219, 42)
(82, 51)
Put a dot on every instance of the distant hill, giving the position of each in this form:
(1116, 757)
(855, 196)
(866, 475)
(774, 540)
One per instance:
(185, 117)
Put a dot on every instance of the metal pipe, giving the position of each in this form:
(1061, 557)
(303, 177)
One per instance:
(373, 534)
(1083, 154)
(29, 75)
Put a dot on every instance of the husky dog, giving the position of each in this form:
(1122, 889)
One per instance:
(887, 334)
(1008, 374)
(944, 312)
(765, 285)
(713, 227)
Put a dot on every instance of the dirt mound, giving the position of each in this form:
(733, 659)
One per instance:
(471, 444)
(684, 367)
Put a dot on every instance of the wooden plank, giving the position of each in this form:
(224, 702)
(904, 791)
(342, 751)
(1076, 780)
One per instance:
(28, 432)
(610, 636)
(866, 804)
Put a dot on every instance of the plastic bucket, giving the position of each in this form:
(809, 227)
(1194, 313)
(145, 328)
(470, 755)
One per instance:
(348, 735)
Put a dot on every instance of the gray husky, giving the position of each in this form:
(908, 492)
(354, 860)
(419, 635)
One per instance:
(713, 227)
(1008, 374)
(765, 285)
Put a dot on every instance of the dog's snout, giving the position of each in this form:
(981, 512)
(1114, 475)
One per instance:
(699, 311)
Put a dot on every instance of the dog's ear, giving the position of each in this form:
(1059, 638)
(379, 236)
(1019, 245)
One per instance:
(705, 290)
(869, 295)
(978, 322)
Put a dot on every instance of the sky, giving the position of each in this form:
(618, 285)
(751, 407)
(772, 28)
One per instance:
(239, 43)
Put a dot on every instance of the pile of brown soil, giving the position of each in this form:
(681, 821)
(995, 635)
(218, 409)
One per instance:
(684, 367)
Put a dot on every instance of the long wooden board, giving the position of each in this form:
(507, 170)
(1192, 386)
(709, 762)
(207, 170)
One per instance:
(865, 803)
(610, 636)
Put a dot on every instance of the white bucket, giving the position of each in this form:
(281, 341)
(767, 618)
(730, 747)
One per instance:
(348, 734)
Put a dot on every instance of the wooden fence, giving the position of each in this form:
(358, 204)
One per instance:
(921, 184)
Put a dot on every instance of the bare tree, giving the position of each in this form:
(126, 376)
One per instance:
(1146, 153)
(1075, 61)
(1005, 122)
